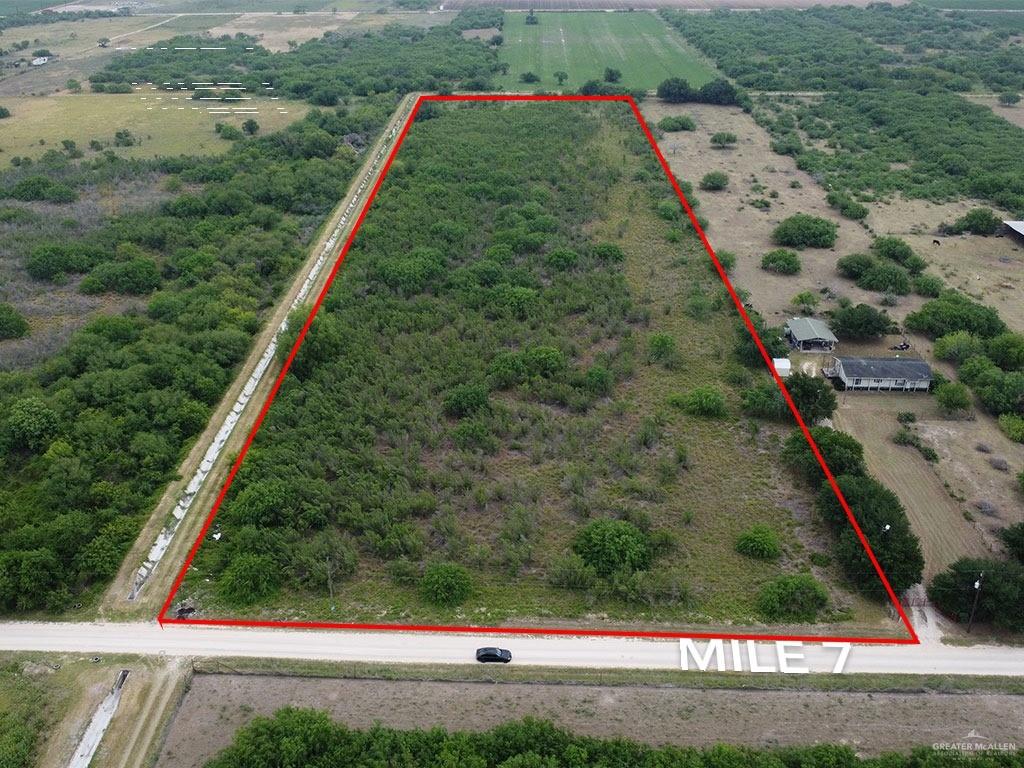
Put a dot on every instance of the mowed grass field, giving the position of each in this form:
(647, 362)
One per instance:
(638, 44)
(37, 124)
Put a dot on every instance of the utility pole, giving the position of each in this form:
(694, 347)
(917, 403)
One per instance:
(977, 594)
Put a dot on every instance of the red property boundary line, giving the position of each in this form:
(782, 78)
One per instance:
(162, 618)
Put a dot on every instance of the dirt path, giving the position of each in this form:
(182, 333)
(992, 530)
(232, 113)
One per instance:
(115, 602)
(217, 705)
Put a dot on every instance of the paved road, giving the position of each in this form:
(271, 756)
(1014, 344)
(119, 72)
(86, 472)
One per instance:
(150, 639)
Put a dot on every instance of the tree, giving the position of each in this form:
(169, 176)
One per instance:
(855, 264)
(992, 590)
(706, 401)
(806, 301)
(781, 261)
(953, 398)
(531, 18)
(952, 311)
(792, 598)
(885, 278)
(12, 324)
(675, 90)
(250, 127)
(860, 322)
(529, 77)
(719, 91)
(612, 75)
(561, 77)
(892, 248)
(446, 584)
(813, 396)
(714, 181)
(4, 112)
(1013, 537)
(613, 546)
(802, 230)
(1007, 351)
(723, 139)
(73, 85)
(1009, 98)
(842, 453)
(31, 423)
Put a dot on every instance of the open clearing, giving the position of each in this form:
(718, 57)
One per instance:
(78, 55)
(639, 44)
(277, 31)
(169, 128)
(217, 705)
(991, 269)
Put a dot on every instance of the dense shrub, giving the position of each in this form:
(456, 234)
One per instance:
(928, 286)
(951, 312)
(759, 541)
(706, 402)
(613, 546)
(953, 398)
(977, 221)
(1013, 538)
(792, 598)
(885, 278)
(856, 264)
(999, 601)
(842, 453)
(813, 396)
(958, 346)
(802, 230)
(714, 181)
(782, 261)
(765, 401)
(445, 584)
(12, 323)
(673, 123)
(465, 400)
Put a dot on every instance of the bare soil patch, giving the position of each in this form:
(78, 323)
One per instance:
(217, 705)
(1014, 114)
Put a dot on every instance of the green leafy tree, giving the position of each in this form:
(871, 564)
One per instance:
(674, 123)
(806, 301)
(612, 75)
(250, 127)
(675, 90)
(813, 396)
(860, 322)
(977, 221)
(561, 77)
(952, 311)
(1009, 98)
(842, 453)
(953, 398)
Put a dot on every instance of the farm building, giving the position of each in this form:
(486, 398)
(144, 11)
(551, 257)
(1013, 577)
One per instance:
(810, 335)
(1015, 229)
(879, 374)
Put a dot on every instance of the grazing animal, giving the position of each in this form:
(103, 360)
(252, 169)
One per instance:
(936, 242)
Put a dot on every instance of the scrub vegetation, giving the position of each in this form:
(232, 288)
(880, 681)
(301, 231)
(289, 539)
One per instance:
(890, 118)
(311, 737)
(498, 413)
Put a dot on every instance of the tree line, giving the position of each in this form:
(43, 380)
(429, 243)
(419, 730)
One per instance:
(310, 738)
(90, 437)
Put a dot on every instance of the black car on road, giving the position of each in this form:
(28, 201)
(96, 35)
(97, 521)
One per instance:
(499, 655)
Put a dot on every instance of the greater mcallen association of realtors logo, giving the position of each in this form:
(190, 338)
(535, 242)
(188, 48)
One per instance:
(975, 742)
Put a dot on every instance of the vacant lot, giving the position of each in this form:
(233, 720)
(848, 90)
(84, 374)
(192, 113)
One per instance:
(162, 123)
(581, 45)
(991, 269)
(541, 462)
(77, 54)
(217, 705)
(276, 32)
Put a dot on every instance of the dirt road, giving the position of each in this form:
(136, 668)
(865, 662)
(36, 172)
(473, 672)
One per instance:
(561, 651)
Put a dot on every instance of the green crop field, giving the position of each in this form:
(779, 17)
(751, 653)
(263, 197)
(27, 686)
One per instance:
(638, 44)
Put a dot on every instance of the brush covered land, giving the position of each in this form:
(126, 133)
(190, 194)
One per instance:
(519, 401)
